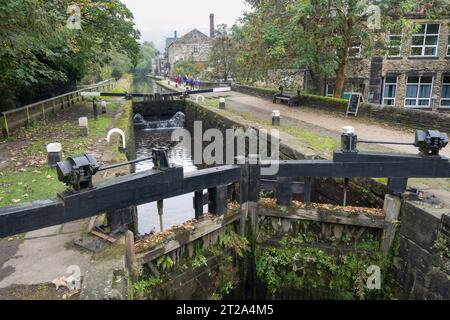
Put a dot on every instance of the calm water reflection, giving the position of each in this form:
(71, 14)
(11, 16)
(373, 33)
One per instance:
(178, 209)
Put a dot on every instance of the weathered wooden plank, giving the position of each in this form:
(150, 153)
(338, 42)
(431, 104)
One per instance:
(392, 207)
(268, 185)
(284, 191)
(202, 228)
(130, 190)
(103, 236)
(418, 167)
(338, 217)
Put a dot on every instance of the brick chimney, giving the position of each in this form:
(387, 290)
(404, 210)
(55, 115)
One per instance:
(211, 26)
(175, 34)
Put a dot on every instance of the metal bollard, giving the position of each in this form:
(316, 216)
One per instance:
(54, 154)
(84, 128)
(222, 103)
(349, 139)
(276, 118)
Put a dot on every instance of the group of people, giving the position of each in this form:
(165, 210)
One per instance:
(188, 81)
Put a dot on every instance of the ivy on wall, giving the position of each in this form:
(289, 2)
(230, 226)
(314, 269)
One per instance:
(300, 269)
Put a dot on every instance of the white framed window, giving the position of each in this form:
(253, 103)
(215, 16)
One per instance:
(390, 91)
(354, 52)
(394, 45)
(425, 41)
(445, 95)
(330, 90)
(448, 46)
(418, 91)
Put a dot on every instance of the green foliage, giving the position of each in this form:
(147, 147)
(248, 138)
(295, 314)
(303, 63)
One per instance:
(164, 262)
(38, 50)
(226, 288)
(234, 242)
(199, 261)
(313, 273)
(141, 289)
(317, 34)
(441, 245)
(146, 284)
(189, 68)
(223, 53)
(144, 66)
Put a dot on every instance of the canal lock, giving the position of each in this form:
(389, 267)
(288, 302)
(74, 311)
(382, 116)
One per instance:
(291, 259)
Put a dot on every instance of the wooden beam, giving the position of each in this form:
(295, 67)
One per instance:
(202, 228)
(321, 215)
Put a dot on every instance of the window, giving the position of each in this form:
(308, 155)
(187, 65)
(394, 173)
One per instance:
(330, 90)
(418, 92)
(425, 41)
(354, 52)
(196, 49)
(394, 45)
(390, 91)
(448, 46)
(445, 96)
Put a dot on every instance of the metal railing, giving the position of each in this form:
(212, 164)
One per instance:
(16, 118)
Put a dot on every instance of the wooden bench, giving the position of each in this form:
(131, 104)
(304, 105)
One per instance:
(291, 99)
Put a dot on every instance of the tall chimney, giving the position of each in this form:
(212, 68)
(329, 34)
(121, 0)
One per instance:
(211, 26)
(175, 34)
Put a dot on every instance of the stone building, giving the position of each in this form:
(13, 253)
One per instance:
(414, 72)
(193, 46)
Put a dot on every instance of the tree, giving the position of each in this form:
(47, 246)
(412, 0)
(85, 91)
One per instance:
(223, 53)
(187, 67)
(144, 65)
(39, 50)
(318, 34)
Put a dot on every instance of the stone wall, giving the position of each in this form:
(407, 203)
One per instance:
(423, 271)
(406, 118)
(259, 92)
(193, 46)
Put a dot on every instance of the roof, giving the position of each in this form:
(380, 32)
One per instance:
(169, 41)
(185, 37)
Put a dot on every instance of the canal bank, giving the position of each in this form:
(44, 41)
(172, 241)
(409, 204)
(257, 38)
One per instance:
(30, 262)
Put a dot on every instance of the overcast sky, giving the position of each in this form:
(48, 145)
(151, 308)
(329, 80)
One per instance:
(157, 19)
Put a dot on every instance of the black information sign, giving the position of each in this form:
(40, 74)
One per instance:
(353, 104)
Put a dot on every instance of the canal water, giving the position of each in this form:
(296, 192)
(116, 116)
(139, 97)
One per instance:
(179, 209)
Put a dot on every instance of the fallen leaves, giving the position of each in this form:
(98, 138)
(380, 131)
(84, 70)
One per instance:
(148, 241)
(61, 282)
(272, 204)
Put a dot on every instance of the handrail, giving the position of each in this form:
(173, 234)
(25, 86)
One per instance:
(7, 126)
(34, 104)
